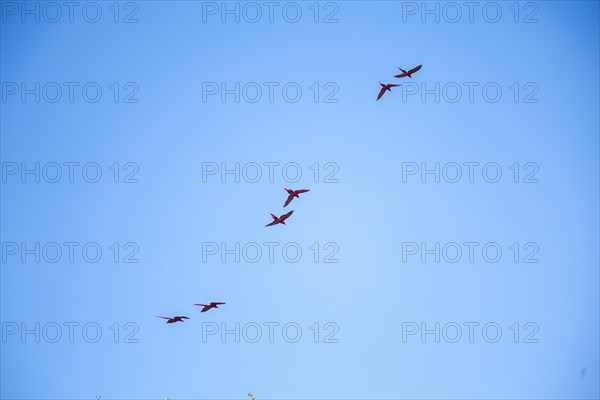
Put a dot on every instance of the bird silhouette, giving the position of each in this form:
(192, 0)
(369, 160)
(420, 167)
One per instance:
(280, 220)
(170, 320)
(408, 73)
(388, 87)
(292, 194)
(206, 307)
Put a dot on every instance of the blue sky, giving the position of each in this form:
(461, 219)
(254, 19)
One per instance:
(158, 124)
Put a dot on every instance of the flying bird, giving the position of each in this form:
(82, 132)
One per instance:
(408, 73)
(170, 320)
(292, 194)
(280, 220)
(389, 87)
(206, 307)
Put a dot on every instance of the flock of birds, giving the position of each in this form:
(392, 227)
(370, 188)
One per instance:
(389, 86)
(292, 194)
(182, 318)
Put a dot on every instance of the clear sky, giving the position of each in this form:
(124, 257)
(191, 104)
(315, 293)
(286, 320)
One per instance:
(448, 247)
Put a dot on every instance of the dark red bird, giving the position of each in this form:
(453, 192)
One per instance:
(408, 73)
(292, 194)
(389, 87)
(206, 307)
(170, 320)
(280, 220)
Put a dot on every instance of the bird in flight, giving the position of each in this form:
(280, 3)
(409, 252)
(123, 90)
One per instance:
(206, 307)
(292, 194)
(389, 87)
(408, 73)
(170, 320)
(280, 220)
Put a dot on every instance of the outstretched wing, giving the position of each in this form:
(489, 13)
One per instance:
(159, 316)
(272, 223)
(286, 216)
(181, 317)
(394, 85)
(289, 200)
(381, 92)
(415, 69)
(218, 303)
(302, 191)
(402, 75)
